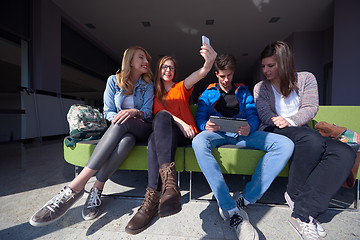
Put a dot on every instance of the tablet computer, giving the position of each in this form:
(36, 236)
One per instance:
(228, 124)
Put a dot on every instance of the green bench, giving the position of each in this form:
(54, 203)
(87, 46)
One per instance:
(137, 159)
(232, 160)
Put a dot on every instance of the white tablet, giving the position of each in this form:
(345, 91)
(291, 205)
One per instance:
(228, 124)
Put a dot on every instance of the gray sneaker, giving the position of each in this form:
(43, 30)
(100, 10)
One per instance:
(319, 228)
(92, 204)
(307, 231)
(56, 207)
(244, 229)
(239, 199)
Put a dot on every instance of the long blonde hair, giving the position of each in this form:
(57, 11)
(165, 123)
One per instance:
(286, 66)
(123, 75)
(158, 83)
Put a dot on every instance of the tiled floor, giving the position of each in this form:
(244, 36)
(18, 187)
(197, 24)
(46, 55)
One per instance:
(32, 173)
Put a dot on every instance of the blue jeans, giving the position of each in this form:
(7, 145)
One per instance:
(279, 149)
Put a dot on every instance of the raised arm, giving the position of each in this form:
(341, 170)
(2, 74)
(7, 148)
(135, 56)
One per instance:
(208, 53)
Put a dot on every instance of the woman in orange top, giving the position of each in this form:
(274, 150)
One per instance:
(173, 126)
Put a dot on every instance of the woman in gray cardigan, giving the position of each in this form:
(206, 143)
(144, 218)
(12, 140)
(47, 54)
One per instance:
(286, 101)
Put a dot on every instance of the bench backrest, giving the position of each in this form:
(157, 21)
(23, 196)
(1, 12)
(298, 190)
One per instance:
(344, 116)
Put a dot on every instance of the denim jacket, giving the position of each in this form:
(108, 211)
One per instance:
(113, 98)
(208, 99)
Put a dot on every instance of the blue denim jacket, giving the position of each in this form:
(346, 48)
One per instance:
(143, 98)
(208, 99)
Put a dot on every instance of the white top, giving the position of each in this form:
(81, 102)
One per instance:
(128, 102)
(286, 107)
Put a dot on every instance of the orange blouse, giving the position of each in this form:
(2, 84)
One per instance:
(177, 103)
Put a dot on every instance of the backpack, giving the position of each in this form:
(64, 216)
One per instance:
(85, 123)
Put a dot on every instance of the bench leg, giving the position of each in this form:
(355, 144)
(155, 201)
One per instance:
(190, 186)
(76, 171)
(357, 195)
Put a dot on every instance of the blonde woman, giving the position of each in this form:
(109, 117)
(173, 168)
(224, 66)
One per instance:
(128, 100)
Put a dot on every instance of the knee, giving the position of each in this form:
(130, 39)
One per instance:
(285, 145)
(161, 119)
(347, 155)
(128, 139)
(195, 142)
(199, 142)
(312, 140)
(151, 141)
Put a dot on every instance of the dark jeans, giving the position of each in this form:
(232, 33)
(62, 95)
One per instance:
(318, 168)
(115, 145)
(164, 139)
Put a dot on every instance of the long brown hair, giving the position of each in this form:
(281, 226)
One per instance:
(123, 75)
(160, 90)
(286, 66)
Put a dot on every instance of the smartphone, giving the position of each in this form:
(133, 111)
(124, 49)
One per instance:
(205, 40)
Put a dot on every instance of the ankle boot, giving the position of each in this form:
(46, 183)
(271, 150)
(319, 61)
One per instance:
(145, 214)
(170, 196)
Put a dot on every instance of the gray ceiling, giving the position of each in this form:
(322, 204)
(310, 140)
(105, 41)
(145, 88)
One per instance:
(240, 27)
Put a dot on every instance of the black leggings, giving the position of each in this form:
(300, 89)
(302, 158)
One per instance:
(115, 145)
(318, 168)
(164, 139)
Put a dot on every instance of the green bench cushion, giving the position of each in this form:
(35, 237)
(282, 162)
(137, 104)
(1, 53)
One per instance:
(137, 159)
(231, 160)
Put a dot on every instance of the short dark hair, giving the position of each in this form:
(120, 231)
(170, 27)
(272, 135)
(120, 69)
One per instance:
(225, 62)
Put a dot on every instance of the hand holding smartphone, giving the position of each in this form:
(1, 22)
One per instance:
(205, 40)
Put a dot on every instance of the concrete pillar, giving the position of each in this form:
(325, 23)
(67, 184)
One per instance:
(46, 46)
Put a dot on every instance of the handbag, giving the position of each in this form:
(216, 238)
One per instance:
(346, 136)
(85, 123)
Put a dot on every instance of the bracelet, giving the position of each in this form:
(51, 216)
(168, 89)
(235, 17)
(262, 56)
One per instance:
(138, 113)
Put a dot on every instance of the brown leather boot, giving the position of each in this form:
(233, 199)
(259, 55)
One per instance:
(170, 196)
(145, 214)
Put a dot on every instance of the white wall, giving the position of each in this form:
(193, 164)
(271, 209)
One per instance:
(46, 115)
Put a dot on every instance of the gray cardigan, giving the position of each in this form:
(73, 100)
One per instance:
(307, 91)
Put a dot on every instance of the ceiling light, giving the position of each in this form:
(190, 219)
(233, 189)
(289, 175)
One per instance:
(146, 24)
(274, 19)
(209, 22)
(90, 25)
